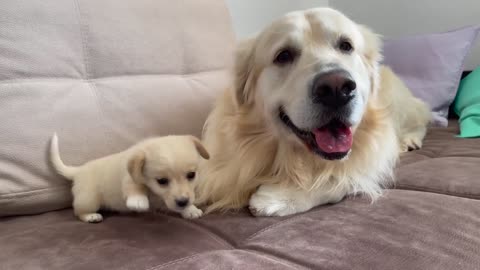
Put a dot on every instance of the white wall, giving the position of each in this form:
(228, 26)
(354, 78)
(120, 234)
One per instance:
(395, 18)
(391, 18)
(250, 16)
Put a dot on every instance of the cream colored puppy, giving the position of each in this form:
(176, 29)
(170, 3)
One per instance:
(164, 167)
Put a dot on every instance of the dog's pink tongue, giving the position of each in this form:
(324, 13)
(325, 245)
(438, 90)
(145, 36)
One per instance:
(334, 140)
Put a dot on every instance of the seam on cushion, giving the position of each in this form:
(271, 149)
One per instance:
(183, 75)
(430, 155)
(88, 73)
(455, 156)
(291, 219)
(192, 80)
(39, 80)
(183, 68)
(429, 158)
(296, 264)
(106, 78)
(218, 234)
(469, 196)
(83, 39)
(276, 259)
(30, 192)
(212, 235)
(180, 260)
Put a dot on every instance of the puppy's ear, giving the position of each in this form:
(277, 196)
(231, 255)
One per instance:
(372, 54)
(200, 148)
(135, 166)
(244, 71)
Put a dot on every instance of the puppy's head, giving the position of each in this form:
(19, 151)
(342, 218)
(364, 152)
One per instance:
(167, 166)
(310, 74)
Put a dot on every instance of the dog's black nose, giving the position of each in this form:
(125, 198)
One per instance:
(333, 89)
(182, 202)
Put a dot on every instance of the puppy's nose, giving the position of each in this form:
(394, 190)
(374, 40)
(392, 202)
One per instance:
(182, 202)
(333, 89)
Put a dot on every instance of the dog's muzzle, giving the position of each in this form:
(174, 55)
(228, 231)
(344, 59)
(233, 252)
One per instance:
(331, 95)
(333, 89)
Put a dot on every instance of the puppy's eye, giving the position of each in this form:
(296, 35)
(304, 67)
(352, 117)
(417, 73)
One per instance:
(345, 46)
(162, 181)
(285, 56)
(190, 175)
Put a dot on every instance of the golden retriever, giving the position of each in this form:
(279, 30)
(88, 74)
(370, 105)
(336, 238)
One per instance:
(162, 166)
(311, 117)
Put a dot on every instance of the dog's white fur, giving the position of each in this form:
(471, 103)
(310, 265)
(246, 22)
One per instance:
(125, 181)
(256, 160)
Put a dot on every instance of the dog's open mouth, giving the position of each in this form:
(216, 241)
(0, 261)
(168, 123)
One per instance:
(331, 141)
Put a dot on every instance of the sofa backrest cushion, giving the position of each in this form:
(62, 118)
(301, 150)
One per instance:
(103, 75)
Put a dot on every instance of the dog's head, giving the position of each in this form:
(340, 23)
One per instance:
(310, 74)
(167, 166)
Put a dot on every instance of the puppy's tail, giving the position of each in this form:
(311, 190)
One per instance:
(62, 169)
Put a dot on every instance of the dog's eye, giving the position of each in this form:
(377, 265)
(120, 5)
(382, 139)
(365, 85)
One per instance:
(345, 46)
(162, 181)
(285, 56)
(190, 175)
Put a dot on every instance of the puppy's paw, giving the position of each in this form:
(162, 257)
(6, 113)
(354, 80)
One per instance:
(91, 218)
(192, 212)
(411, 142)
(138, 203)
(272, 200)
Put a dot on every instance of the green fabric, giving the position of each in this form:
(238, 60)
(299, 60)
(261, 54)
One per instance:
(467, 105)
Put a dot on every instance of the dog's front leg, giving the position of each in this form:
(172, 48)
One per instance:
(282, 200)
(135, 196)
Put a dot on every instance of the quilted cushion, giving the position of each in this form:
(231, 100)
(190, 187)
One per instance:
(445, 165)
(103, 75)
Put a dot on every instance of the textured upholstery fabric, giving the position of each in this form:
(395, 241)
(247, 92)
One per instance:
(431, 221)
(444, 165)
(103, 75)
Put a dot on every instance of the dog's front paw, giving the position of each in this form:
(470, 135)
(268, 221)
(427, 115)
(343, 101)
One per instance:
(91, 218)
(272, 200)
(192, 212)
(413, 140)
(138, 203)
(410, 143)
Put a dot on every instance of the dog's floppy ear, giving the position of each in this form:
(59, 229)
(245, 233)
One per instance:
(200, 148)
(135, 166)
(244, 72)
(372, 54)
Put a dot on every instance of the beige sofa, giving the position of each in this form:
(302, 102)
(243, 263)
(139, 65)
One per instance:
(105, 74)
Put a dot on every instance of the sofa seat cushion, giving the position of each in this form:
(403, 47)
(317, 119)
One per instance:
(430, 222)
(403, 230)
